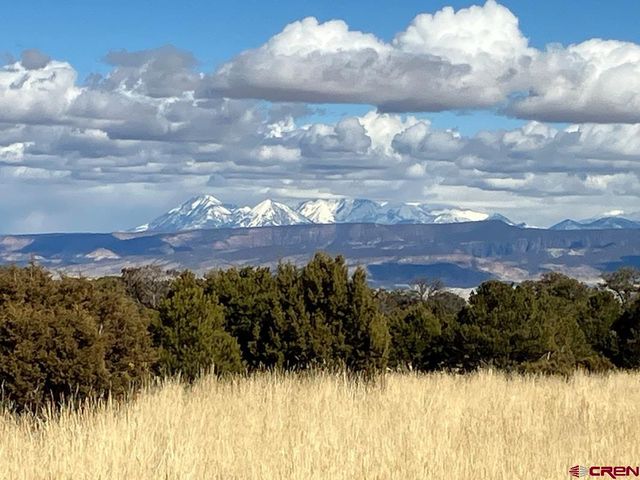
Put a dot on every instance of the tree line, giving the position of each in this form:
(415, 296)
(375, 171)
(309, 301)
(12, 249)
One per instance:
(75, 338)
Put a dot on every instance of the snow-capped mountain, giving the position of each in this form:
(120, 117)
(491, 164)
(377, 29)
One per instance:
(206, 211)
(603, 223)
(344, 210)
(269, 214)
(406, 213)
(455, 215)
(367, 211)
(320, 210)
(203, 211)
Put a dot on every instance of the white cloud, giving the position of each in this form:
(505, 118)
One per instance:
(277, 153)
(36, 95)
(473, 35)
(308, 36)
(464, 59)
(475, 57)
(594, 81)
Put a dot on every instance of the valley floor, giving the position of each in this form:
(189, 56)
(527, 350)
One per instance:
(482, 426)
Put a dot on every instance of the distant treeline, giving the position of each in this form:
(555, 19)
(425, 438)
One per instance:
(74, 338)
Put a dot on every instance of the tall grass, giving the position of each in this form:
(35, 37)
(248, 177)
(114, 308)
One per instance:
(482, 426)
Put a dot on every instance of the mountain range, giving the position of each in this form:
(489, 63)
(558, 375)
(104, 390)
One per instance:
(461, 254)
(602, 223)
(206, 211)
(395, 242)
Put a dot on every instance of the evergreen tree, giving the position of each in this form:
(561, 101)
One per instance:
(594, 309)
(415, 333)
(297, 335)
(627, 328)
(189, 332)
(253, 314)
(325, 283)
(69, 337)
(521, 327)
(367, 334)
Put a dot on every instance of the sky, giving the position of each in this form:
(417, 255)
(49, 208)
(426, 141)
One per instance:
(111, 112)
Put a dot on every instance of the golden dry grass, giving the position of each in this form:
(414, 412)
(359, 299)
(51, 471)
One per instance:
(482, 426)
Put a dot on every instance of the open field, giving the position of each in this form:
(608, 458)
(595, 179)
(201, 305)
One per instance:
(482, 426)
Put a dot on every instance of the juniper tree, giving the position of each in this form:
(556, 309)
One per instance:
(252, 312)
(190, 332)
(415, 333)
(367, 334)
(297, 334)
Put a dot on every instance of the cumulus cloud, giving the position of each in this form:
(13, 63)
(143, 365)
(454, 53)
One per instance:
(36, 95)
(475, 57)
(594, 81)
(464, 59)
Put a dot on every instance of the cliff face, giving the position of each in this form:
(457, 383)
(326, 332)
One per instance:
(463, 252)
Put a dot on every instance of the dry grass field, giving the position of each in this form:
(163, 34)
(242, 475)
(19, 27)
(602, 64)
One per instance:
(483, 426)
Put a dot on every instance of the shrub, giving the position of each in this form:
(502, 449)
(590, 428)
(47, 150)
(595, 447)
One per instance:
(68, 339)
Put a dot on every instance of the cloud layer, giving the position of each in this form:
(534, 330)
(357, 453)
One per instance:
(117, 149)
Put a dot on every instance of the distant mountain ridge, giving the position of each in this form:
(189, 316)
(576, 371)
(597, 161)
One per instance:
(206, 211)
(602, 223)
(460, 254)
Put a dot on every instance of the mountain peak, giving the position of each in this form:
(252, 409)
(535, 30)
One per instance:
(266, 205)
(202, 211)
(200, 200)
(269, 213)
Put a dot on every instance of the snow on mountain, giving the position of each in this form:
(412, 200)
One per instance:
(320, 210)
(345, 210)
(358, 210)
(270, 214)
(363, 211)
(455, 215)
(203, 211)
(206, 211)
(406, 213)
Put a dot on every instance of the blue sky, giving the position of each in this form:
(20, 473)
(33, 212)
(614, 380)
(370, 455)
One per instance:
(82, 31)
(465, 108)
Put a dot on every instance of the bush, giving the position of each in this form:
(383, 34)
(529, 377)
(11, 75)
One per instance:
(68, 339)
(367, 334)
